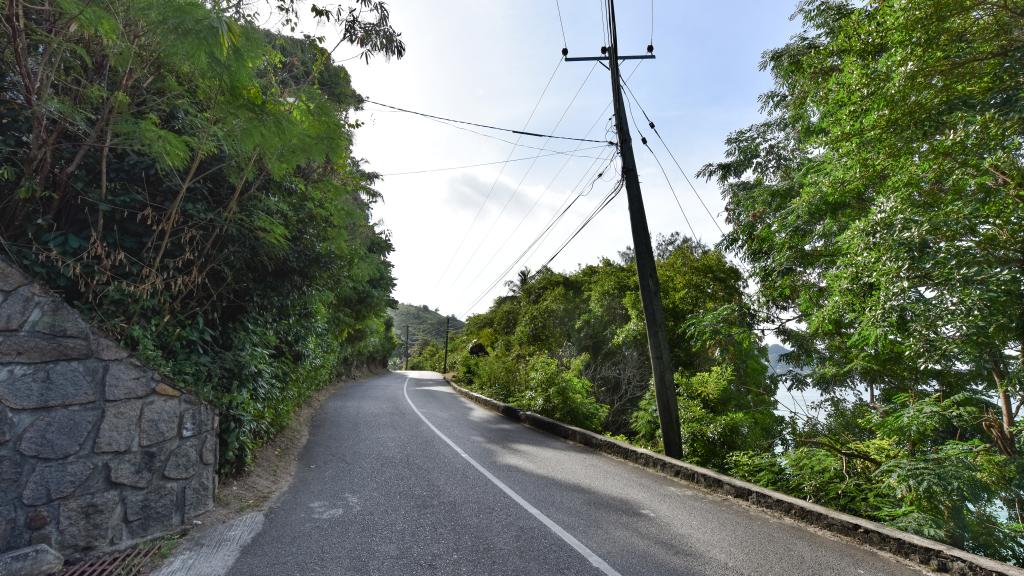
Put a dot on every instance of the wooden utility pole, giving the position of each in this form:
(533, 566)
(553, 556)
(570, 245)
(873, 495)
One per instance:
(405, 366)
(647, 274)
(447, 328)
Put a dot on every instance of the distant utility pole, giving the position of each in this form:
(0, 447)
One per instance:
(447, 328)
(647, 274)
(406, 365)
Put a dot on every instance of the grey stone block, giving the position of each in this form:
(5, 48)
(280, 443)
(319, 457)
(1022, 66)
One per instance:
(160, 500)
(11, 468)
(56, 318)
(10, 277)
(56, 480)
(209, 453)
(159, 420)
(34, 348)
(104, 348)
(27, 386)
(199, 492)
(136, 469)
(196, 418)
(119, 431)
(191, 421)
(37, 519)
(38, 560)
(152, 511)
(17, 308)
(7, 520)
(126, 379)
(184, 461)
(6, 425)
(44, 537)
(57, 434)
(90, 521)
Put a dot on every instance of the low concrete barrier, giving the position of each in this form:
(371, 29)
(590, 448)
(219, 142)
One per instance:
(929, 553)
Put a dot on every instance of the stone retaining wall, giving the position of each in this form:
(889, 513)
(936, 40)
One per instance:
(96, 450)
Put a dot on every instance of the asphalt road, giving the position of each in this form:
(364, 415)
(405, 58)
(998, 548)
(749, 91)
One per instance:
(402, 476)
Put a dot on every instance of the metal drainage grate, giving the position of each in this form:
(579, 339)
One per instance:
(125, 563)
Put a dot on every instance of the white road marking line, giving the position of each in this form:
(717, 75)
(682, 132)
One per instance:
(558, 530)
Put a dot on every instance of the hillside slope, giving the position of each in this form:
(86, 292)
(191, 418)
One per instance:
(424, 325)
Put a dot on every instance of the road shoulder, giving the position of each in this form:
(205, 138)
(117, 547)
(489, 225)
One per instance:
(218, 536)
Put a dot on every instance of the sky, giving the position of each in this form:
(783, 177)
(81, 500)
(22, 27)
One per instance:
(456, 231)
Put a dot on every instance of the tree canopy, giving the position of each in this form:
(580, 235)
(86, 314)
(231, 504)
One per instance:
(573, 346)
(186, 179)
(879, 206)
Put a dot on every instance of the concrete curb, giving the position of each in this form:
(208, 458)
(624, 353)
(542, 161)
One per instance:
(931, 554)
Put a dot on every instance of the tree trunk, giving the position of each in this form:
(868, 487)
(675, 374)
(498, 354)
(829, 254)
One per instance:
(1008, 445)
(103, 184)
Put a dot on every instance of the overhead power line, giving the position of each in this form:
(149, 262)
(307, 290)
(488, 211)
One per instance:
(515, 143)
(494, 183)
(668, 181)
(643, 139)
(531, 249)
(584, 190)
(586, 221)
(544, 192)
(527, 173)
(565, 43)
(601, 206)
(569, 154)
(557, 214)
(653, 127)
(486, 126)
(579, 184)
(652, 24)
(604, 18)
(564, 209)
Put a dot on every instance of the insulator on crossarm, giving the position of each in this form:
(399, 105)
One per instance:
(604, 50)
(565, 52)
(650, 48)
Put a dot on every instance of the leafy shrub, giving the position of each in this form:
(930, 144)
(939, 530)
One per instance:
(712, 419)
(562, 394)
(499, 375)
(428, 356)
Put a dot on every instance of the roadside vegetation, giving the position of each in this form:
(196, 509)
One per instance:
(879, 210)
(185, 179)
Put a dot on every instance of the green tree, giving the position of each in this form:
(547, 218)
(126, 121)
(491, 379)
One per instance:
(726, 399)
(879, 205)
(880, 209)
(573, 346)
